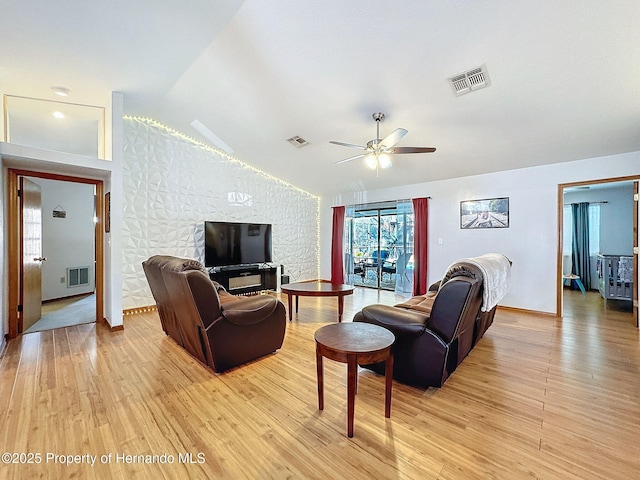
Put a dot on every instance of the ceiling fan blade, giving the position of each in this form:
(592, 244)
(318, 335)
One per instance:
(412, 150)
(348, 145)
(350, 158)
(393, 138)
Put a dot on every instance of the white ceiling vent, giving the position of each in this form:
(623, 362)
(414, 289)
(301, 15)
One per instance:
(473, 79)
(297, 141)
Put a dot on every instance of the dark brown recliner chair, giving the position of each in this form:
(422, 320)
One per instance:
(436, 331)
(219, 329)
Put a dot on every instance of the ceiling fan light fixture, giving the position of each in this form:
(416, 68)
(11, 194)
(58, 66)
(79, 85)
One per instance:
(377, 152)
(384, 160)
(371, 161)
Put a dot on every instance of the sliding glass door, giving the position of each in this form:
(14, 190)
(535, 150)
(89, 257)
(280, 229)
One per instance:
(380, 246)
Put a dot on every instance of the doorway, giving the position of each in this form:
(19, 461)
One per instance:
(598, 227)
(379, 246)
(65, 312)
(88, 276)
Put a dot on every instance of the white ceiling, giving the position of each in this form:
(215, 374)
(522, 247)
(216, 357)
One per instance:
(564, 77)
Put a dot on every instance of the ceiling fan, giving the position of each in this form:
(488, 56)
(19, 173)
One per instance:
(377, 152)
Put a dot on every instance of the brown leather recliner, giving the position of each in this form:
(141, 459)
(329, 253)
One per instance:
(424, 303)
(436, 331)
(219, 329)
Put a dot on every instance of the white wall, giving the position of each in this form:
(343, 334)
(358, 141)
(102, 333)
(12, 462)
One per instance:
(531, 241)
(113, 239)
(172, 185)
(66, 242)
(616, 225)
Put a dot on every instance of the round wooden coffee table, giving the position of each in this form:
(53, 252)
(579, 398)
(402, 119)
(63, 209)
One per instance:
(317, 288)
(354, 344)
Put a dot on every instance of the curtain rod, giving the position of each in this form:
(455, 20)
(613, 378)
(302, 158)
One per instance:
(576, 203)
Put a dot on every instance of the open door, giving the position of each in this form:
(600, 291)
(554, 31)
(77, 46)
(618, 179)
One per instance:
(31, 254)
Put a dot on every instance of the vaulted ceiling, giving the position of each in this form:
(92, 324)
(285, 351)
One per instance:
(563, 77)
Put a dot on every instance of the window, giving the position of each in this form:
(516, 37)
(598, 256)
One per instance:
(594, 230)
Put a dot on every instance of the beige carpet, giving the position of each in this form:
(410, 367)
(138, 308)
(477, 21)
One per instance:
(65, 313)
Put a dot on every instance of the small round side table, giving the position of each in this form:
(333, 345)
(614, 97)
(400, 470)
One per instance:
(354, 343)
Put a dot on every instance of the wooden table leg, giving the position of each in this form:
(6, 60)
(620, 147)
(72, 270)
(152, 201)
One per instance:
(340, 307)
(388, 377)
(320, 379)
(352, 379)
(297, 298)
(290, 304)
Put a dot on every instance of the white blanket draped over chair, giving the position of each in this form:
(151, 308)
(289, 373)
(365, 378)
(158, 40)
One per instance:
(496, 269)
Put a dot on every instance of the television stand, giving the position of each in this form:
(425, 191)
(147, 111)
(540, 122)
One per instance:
(246, 279)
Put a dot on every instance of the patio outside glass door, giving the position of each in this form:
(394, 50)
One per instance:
(380, 247)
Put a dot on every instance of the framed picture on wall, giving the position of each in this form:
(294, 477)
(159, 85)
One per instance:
(486, 213)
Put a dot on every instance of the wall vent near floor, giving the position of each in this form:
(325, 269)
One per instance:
(470, 80)
(77, 276)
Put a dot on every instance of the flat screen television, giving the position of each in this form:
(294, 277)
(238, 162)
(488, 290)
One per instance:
(231, 243)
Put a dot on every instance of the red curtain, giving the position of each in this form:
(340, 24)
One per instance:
(420, 237)
(337, 235)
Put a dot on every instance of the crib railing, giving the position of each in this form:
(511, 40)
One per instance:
(615, 277)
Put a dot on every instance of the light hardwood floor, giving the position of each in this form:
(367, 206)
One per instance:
(538, 397)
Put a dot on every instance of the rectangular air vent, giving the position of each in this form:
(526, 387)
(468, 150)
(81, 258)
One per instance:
(297, 141)
(77, 276)
(473, 79)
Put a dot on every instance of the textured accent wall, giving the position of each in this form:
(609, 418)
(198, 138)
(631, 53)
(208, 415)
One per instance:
(172, 184)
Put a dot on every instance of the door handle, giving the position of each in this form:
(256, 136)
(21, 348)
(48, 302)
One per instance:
(40, 259)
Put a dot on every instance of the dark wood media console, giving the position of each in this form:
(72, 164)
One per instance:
(246, 279)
